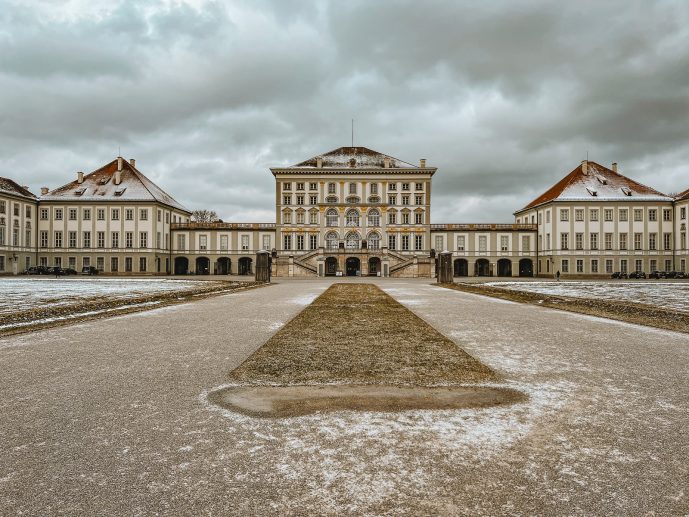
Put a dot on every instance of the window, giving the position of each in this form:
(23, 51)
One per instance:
(313, 200)
(331, 188)
(44, 238)
(331, 240)
(159, 240)
(72, 243)
(504, 243)
(300, 186)
(143, 239)
(181, 242)
(87, 240)
(439, 242)
(100, 263)
(44, 214)
(266, 242)
(87, 214)
(639, 264)
(58, 214)
(128, 239)
(58, 261)
(287, 217)
(418, 186)
(114, 266)
(58, 239)
(652, 214)
(547, 241)
(287, 242)
(28, 238)
(405, 200)
(373, 217)
(418, 242)
(203, 242)
(100, 239)
(142, 264)
(3, 207)
(352, 218)
(593, 214)
(224, 242)
(418, 218)
(418, 200)
(331, 217)
(623, 265)
(313, 186)
(405, 218)
(374, 188)
(594, 240)
(667, 214)
(564, 241)
(579, 241)
(115, 240)
(483, 243)
(683, 213)
(405, 242)
(579, 214)
(300, 242)
(352, 188)
(580, 266)
(313, 241)
(392, 217)
(547, 216)
(15, 236)
(564, 215)
(638, 214)
(115, 214)
(300, 199)
(565, 266)
(128, 264)
(683, 240)
(623, 241)
(313, 217)
(72, 214)
(392, 200)
(300, 217)
(100, 214)
(624, 215)
(526, 243)
(160, 214)
(2, 263)
(608, 265)
(461, 242)
(652, 244)
(683, 265)
(405, 186)
(392, 186)
(637, 241)
(392, 242)
(668, 265)
(607, 214)
(287, 200)
(287, 186)
(608, 241)
(667, 241)
(129, 214)
(245, 242)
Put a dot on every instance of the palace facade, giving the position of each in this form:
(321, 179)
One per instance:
(350, 211)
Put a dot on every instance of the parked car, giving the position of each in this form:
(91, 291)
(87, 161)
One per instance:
(70, 271)
(56, 271)
(679, 274)
(89, 270)
(637, 274)
(619, 274)
(657, 274)
(37, 270)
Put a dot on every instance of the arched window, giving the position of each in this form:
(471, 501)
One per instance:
(352, 240)
(331, 240)
(373, 217)
(287, 217)
(374, 241)
(331, 217)
(331, 188)
(352, 218)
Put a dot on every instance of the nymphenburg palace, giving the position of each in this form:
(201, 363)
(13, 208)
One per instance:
(351, 211)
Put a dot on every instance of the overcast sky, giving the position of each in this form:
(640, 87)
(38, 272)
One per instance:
(504, 98)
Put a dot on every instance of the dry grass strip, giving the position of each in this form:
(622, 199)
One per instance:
(629, 312)
(357, 334)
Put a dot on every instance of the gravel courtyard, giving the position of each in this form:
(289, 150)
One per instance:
(111, 417)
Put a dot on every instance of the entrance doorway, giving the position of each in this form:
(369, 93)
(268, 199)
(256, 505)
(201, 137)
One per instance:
(224, 266)
(181, 265)
(525, 267)
(504, 267)
(482, 267)
(330, 266)
(244, 266)
(461, 267)
(353, 265)
(373, 266)
(203, 266)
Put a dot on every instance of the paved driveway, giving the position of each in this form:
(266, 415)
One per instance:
(110, 417)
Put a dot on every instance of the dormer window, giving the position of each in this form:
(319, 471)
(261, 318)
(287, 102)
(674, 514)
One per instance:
(120, 191)
(103, 181)
(602, 180)
(592, 191)
(79, 191)
(626, 191)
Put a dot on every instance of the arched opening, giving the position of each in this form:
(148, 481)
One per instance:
(224, 266)
(373, 218)
(482, 267)
(353, 265)
(526, 267)
(504, 267)
(461, 267)
(330, 266)
(373, 266)
(352, 241)
(352, 218)
(331, 217)
(181, 265)
(244, 266)
(374, 241)
(331, 240)
(203, 266)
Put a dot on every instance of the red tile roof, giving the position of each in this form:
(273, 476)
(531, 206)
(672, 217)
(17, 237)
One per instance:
(599, 183)
(684, 195)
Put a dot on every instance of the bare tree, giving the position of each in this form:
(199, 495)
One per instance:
(204, 216)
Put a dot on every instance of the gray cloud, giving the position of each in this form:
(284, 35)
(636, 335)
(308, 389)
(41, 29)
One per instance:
(505, 98)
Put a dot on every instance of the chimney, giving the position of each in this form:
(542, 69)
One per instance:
(132, 162)
(319, 162)
(386, 162)
(80, 177)
(585, 167)
(44, 191)
(614, 166)
(422, 163)
(118, 177)
(25, 187)
(119, 163)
